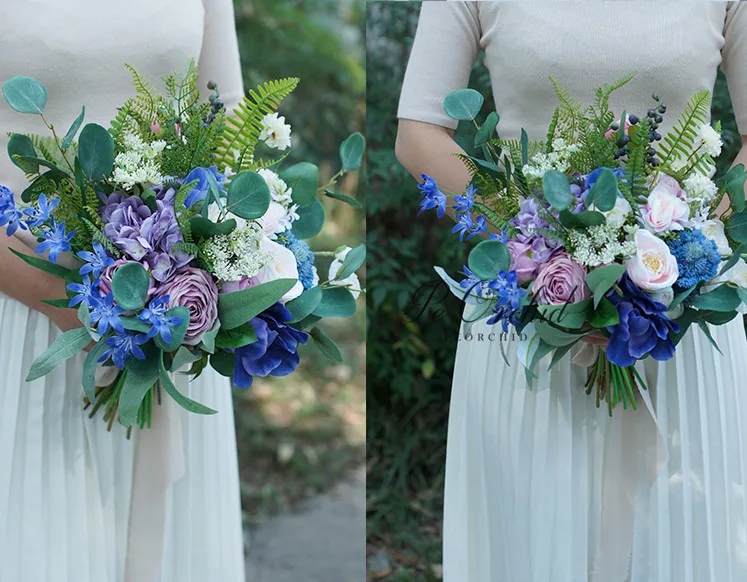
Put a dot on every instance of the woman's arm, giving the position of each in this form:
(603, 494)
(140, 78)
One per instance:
(424, 148)
(740, 159)
(30, 285)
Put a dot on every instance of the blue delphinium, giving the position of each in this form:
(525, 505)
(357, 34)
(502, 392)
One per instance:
(432, 196)
(106, 314)
(42, 213)
(10, 216)
(697, 257)
(96, 261)
(274, 353)
(122, 346)
(643, 328)
(86, 292)
(55, 240)
(304, 257)
(506, 290)
(161, 323)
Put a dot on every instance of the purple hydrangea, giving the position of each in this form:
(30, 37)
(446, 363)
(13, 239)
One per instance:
(144, 234)
(274, 353)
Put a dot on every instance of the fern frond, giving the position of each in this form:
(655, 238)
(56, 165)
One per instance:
(602, 95)
(189, 248)
(123, 121)
(551, 130)
(469, 163)
(570, 111)
(634, 185)
(243, 127)
(681, 139)
(183, 88)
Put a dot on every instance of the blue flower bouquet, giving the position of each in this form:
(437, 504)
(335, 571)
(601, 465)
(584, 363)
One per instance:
(606, 227)
(188, 248)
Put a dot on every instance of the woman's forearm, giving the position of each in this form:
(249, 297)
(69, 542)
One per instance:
(423, 148)
(25, 283)
(740, 159)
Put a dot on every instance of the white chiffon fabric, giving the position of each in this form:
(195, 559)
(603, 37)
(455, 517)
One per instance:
(65, 481)
(525, 468)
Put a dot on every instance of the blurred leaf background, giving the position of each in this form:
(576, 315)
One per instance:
(300, 434)
(411, 347)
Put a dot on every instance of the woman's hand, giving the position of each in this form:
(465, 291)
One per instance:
(596, 338)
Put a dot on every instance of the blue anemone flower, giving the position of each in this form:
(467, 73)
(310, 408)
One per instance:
(464, 225)
(122, 346)
(56, 240)
(106, 314)
(43, 212)
(96, 261)
(161, 323)
(480, 226)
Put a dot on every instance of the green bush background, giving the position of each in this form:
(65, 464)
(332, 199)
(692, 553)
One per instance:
(299, 434)
(410, 362)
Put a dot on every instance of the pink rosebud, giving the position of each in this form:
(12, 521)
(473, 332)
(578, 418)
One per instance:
(522, 261)
(560, 280)
(653, 267)
(664, 210)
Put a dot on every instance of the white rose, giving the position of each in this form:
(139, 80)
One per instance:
(275, 220)
(275, 132)
(714, 229)
(315, 278)
(664, 296)
(664, 211)
(653, 267)
(616, 217)
(352, 282)
(282, 265)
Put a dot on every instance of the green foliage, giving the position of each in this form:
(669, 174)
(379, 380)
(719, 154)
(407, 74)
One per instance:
(243, 126)
(633, 185)
(679, 142)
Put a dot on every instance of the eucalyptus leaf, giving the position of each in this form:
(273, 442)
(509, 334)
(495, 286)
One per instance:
(237, 308)
(70, 135)
(183, 357)
(130, 286)
(21, 145)
(343, 198)
(604, 315)
(737, 227)
(488, 258)
(303, 178)
(464, 104)
(326, 345)
(64, 347)
(487, 130)
(182, 400)
(554, 336)
(237, 337)
(303, 305)
(134, 324)
(208, 338)
(572, 315)
(722, 298)
(140, 377)
(205, 228)
(581, 219)
(603, 194)
(557, 189)
(733, 259)
(353, 261)
(524, 147)
(351, 152)
(602, 279)
(734, 185)
(89, 369)
(248, 195)
(310, 221)
(335, 302)
(223, 362)
(95, 151)
(25, 94)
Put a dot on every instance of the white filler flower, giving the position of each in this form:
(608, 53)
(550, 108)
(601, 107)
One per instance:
(275, 132)
(352, 282)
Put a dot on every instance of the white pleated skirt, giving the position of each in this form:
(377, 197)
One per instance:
(525, 469)
(65, 482)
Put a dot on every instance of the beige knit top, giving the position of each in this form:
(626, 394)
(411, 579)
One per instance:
(674, 47)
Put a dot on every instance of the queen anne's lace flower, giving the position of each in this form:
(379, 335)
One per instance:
(600, 245)
(558, 159)
(139, 163)
(238, 254)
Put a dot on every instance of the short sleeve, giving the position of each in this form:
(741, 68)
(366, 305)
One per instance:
(219, 57)
(443, 52)
(734, 59)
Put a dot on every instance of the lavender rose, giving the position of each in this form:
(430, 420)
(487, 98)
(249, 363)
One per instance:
(194, 289)
(105, 279)
(561, 280)
(240, 285)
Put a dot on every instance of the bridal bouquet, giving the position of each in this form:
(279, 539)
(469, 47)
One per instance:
(188, 248)
(607, 227)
